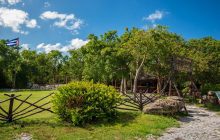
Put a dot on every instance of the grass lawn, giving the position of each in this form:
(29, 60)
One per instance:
(45, 126)
(211, 107)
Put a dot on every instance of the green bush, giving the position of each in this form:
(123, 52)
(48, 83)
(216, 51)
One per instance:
(210, 87)
(84, 102)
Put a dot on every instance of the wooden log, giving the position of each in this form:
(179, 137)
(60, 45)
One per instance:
(8, 98)
(32, 104)
(22, 103)
(31, 110)
(3, 120)
(11, 96)
(129, 105)
(131, 101)
(130, 98)
(148, 98)
(3, 110)
(4, 100)
(3, 116)
(141, 102)
(31, 114)
(10, 109)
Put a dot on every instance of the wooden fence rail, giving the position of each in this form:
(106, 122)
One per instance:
(137, 101)
(13, 113)
(25, 108)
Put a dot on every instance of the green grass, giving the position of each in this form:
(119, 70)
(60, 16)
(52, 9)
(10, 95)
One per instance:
(36, 95)
(44, 126)
(211, 107)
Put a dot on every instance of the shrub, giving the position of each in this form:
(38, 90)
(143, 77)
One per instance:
(210, 87)
(83, 102)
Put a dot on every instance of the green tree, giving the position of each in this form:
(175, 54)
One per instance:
(55, 64)
(205, 54)
(139, 44)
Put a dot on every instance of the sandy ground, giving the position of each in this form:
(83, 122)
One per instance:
(200, 125)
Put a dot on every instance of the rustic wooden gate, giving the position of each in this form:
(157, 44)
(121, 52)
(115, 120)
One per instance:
(13, 113)
(137, 101)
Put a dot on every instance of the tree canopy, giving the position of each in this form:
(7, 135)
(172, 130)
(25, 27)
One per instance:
(113, 59)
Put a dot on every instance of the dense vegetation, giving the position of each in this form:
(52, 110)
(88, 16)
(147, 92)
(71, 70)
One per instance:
(113, 58)
(44, 126)
(82, 102)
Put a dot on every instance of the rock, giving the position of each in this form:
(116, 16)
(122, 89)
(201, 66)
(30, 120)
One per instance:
(211, 93)
(167, 105)
(212, 98)
(45, 87)
(24, 136)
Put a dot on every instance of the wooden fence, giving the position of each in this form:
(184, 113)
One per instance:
(15, 113)
(25, 108)
(137, 101)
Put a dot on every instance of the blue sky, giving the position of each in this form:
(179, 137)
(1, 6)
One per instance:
(45, 25)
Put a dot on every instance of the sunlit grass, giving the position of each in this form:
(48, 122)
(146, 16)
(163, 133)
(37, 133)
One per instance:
(36, 95)
(44, 126)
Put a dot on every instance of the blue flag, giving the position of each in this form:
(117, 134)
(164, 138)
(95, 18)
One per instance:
(13, 42)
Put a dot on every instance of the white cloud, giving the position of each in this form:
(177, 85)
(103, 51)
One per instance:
(149, 26)
(10, 2)
(46, 4)
(25, 47)
(49, 47)
(31, 23)
(14, 19)
(157, 15)
(74, 44)
(69, 22)
(78, 43)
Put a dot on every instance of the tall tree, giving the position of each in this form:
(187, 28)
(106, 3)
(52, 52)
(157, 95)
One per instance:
(139, 44)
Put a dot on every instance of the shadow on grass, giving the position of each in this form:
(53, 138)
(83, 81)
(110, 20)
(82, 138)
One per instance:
(123, 118)
(26, 123)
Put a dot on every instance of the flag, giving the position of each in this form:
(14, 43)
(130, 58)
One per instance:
(13, 42)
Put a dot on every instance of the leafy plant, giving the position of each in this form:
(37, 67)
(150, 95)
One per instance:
(210, 87)
(85, 102)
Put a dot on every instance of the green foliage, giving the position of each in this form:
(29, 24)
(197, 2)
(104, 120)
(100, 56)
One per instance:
(210, 87)
(205, 53)
(186, 88)
(83, 102)
(44, 126)
(110, 58)
(210, 106)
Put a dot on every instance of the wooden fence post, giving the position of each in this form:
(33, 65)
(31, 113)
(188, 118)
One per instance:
(10, 110)
(141, 101)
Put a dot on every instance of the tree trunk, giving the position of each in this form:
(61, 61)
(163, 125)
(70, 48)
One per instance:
(159, 84)
(170, 88)
(121, 85)
(14, 79)
(115, 83)
(131, 86)
(66, 79)
(138, 70)
(125, 85)
(54, 80)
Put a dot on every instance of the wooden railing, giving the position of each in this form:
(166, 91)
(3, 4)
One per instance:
(137, 101)
(15, 113)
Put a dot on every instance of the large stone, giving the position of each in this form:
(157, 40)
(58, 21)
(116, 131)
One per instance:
(167, 105)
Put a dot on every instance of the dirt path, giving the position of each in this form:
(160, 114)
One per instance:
(200, 125)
